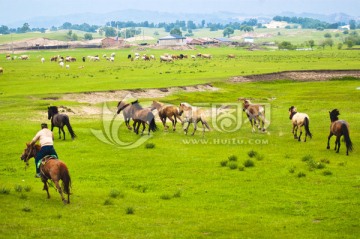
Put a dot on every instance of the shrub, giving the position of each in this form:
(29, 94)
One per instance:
(325, 161)
(5, 191)
(327, 173)
(18, 188)
(233, 165)
(259, 157)
(26, 209)
(301, 174)
(177, 194)
(249, 163)
(223, 163)
(252, 153)
(292, 170)
(232, 158)
(129, 210)
(241, 168)
(108, 202)
(165, 197)
(149, 145)
(306, 158)
(27, 188)
(115, 193)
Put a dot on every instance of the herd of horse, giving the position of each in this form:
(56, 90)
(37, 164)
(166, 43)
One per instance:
(55, 170)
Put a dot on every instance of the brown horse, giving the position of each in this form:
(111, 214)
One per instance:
(167, 111)
(255, 114)
(140, 116)
(50, 168)
(339, 128)
(193, 115)
(299, 120)
(123, 106)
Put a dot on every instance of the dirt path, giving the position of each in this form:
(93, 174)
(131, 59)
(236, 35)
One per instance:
(314, 75)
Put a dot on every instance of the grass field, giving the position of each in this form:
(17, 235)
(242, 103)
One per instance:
(234, 184)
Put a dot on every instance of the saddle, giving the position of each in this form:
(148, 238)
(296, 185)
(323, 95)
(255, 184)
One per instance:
(46, 159)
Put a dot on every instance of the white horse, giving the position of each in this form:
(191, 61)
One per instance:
(299, 120)
(193, 115)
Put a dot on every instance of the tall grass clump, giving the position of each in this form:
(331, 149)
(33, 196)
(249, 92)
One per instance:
(149, 145)
(249, 163)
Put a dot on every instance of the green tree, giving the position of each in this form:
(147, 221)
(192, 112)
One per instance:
(339, 46)
(88, 36)
(228, 31)
(74, 37)
(352, 24)
(311, 43)
(109, 31)
(176, 31)
(69, 33)
(327, 35)
(25, 28)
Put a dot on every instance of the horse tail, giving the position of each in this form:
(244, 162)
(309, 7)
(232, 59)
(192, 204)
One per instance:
(152, 124)
(345, 132)
(66, 180)
(71, 131)
(306, 125)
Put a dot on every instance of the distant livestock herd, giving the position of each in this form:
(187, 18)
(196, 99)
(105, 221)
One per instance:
(163, 58)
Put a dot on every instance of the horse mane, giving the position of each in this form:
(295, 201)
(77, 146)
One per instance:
(334, 114)
(54, 109)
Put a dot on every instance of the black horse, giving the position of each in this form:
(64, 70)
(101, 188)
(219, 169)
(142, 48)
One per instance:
(59, 120)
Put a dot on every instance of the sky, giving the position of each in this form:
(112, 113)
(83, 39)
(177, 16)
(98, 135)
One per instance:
(11, 10)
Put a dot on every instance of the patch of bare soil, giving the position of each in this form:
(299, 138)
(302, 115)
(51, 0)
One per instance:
(99, 97)
(313, 75)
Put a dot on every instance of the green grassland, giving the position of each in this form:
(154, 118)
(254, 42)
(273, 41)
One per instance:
(180, 188)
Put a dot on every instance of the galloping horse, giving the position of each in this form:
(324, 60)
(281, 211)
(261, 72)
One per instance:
(255, 114)
(167, 111)
(50, 168)
(193, 115)
(299, 120)
(339, 128)
(123, 106)
(59, 120)
(140, 116)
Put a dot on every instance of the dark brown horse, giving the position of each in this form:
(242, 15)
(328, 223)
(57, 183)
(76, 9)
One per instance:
(140, 115)
(50, 168)
(339, 128)
(125, 108)
(60, 120)
(167, 111)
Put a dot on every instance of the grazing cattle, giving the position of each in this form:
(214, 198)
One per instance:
(231, 56)
(1, 70)
(152, 57)
(42, 60)
(54, 58)
(112, 54)
(193, 57)
(67, 67)
(129, 56)
(8, 57)
(24, 57)
(94, 58)
(299, 120)
(84, 59)
(146, 58)
(165, 58)
(208, 56)
(255, 114)
(61, 64)
(70, 59)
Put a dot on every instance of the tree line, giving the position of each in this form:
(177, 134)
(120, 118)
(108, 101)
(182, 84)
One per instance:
(310, 23)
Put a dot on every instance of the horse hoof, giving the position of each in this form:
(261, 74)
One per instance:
(65, 201)
(328, 147)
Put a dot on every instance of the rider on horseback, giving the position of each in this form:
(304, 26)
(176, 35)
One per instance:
(46, 139)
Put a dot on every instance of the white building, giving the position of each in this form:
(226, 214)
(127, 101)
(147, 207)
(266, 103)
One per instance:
(172, 40)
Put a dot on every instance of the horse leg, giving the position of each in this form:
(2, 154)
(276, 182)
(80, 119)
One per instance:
(338, 143)
(294, 131)
(143, 124)
(62, 129)
(163, 120)
(134, 126)
(46, 188)
(60, 191)
(328, 144)
(195, 126)
(59, 133)
(172, 122)
(299, 139)
(186, 130)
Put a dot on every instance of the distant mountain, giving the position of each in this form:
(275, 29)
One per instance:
(157, 17)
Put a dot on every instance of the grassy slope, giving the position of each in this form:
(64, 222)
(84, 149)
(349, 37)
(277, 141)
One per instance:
(265, 201)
